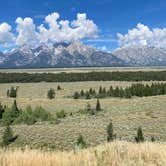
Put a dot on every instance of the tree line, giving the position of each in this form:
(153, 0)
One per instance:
(89, 76)
(138, 89)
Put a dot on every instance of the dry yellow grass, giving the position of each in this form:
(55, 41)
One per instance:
(114, 154)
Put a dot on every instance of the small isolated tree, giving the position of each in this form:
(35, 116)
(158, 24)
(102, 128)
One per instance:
(51, 93)
(2, 109)
(139, 138)
(12, 92)
(153, 139)
(110, 132)
(98, 106)
(59, 87)
(81, 142)
(8, 136)
(76, 95)
(15, 109)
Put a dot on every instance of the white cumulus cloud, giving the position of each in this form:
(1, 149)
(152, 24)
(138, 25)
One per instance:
(26, 32)
(52, 30)
(143, 35)
(6, 37)
(64, 30)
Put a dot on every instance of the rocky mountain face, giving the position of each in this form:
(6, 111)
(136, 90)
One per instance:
(77, 54)
(142, 56)
(58, 55)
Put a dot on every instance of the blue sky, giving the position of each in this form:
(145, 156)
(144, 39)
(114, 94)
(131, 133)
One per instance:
(110, 16)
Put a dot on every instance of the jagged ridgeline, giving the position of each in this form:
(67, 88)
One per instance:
(90, 76)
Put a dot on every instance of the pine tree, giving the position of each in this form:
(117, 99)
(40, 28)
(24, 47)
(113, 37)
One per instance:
(1, 110)
(153, 139)
(10, 114)
(76, 95)
(94, 92)
(12, 92)
(8, 136)
(91, 91)
(100, 90)
(15, 109)
(51, 93)
(59, 87)
(139, 138)
(104, 91)
(87, 95)
(81, 142)
(110, 132)
(82, 93)
(98, 107)
(110, 92)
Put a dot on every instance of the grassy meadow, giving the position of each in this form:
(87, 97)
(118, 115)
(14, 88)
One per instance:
(127, 115)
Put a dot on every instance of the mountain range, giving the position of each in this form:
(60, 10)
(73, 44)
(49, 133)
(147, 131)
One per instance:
(77, 54)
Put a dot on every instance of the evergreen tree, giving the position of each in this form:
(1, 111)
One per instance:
(139, 138)
(8, 136)
(10, 114)
(110, 132)
(87, 95)
(59, 87)
(110, 91)
(103, 90)
(76, 95)
(94, 92)
(100, 90)
(51, 93)
(98, 106)
(1, 110)
(153, 139)
(81, 142)
(82, 93)
(91, 91)
(12, 92)
(15, 109)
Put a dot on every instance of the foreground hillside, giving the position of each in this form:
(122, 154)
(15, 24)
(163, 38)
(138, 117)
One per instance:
(114, 154)
(127, 115)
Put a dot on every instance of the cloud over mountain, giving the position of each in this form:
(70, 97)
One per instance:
(52, 30)
(142, 35)
(6, 37)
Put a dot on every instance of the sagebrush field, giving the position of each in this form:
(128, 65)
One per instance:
(126, 114)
